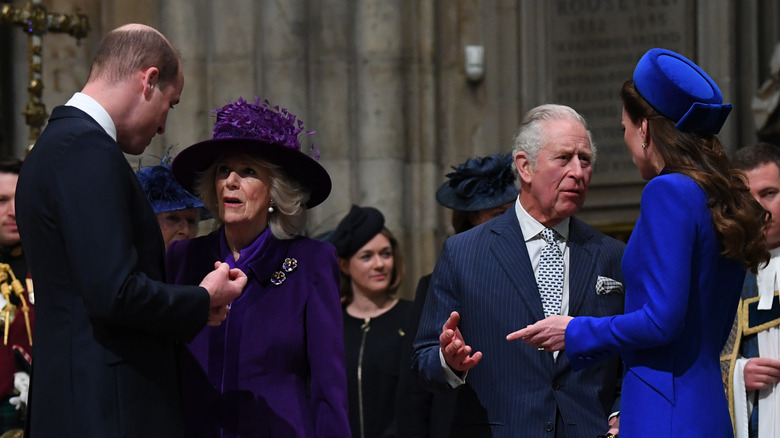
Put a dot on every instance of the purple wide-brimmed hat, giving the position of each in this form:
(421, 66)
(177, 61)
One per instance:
(261, 131)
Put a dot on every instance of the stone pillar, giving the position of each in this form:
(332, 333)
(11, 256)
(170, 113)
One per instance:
(232, 63)
(379, 145)
(422, 236)
(282, 36)
(716, 55)
(191, 122)
(331, 75)
(502, 67)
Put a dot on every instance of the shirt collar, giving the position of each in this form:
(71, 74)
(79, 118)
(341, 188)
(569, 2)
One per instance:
(531, 227)
(95, 110)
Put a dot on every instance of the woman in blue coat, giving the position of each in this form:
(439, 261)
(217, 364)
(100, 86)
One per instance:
(275, 367)
(698, 230)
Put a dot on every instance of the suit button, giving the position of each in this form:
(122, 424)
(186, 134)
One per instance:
(548, 427)
(555, 385)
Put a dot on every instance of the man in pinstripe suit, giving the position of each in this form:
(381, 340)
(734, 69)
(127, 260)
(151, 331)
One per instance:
(484, 286)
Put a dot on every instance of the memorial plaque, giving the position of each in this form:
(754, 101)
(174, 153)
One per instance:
(593, 46)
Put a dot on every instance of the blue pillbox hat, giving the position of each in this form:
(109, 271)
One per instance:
(681, 91)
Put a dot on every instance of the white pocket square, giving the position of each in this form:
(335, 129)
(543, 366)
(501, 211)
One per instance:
(606, 286)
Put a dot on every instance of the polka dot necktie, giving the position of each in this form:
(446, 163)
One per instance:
(549, 275)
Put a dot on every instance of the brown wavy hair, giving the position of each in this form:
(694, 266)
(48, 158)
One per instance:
(399, 271)
(738, 218)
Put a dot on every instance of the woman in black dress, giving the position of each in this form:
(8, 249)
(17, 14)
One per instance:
(374, 319)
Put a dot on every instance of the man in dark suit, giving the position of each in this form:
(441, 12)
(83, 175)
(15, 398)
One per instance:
(107, 327)
(487, 284)
(480, 189)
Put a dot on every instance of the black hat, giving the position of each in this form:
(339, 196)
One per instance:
(479, 184)
(358, 227)
(262, 131)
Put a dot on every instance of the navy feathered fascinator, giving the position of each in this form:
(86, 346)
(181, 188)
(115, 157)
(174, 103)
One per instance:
(164, 193)
(479, 184)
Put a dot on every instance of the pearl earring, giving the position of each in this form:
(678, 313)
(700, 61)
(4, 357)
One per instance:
(271, 208)
(644, 145)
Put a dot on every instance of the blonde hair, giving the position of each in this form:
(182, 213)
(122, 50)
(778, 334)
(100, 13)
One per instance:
(288, 196)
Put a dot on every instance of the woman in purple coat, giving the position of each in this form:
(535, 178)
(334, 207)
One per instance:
(275, 368)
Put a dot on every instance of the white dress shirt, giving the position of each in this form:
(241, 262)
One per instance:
(94, 110)
(532, 232)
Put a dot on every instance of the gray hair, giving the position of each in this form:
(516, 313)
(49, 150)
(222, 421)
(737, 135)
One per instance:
(530, 136)
(289, 217)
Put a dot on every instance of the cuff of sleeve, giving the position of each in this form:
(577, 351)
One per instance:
(452, 379)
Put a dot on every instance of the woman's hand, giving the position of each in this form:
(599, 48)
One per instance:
(547, 334)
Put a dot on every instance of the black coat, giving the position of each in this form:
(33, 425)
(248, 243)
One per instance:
(107, 327)
(373, 351)
(419, 412)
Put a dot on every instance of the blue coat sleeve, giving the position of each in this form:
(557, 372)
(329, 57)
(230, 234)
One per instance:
(657, 269)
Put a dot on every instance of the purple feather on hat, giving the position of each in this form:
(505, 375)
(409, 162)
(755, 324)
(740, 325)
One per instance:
(261, 121)
(262, 131)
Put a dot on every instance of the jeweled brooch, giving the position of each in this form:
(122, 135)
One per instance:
(278, 278)
(289, 265)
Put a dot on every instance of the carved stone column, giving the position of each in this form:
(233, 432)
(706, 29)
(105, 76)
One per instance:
(282, 61)
(332, 79)
(232, 52)
(379, 144)
(425, 219)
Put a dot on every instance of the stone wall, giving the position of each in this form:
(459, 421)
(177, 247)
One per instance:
(383, 84)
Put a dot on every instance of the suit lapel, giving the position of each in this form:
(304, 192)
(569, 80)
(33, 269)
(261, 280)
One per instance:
(508, 245)
(583, 253)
